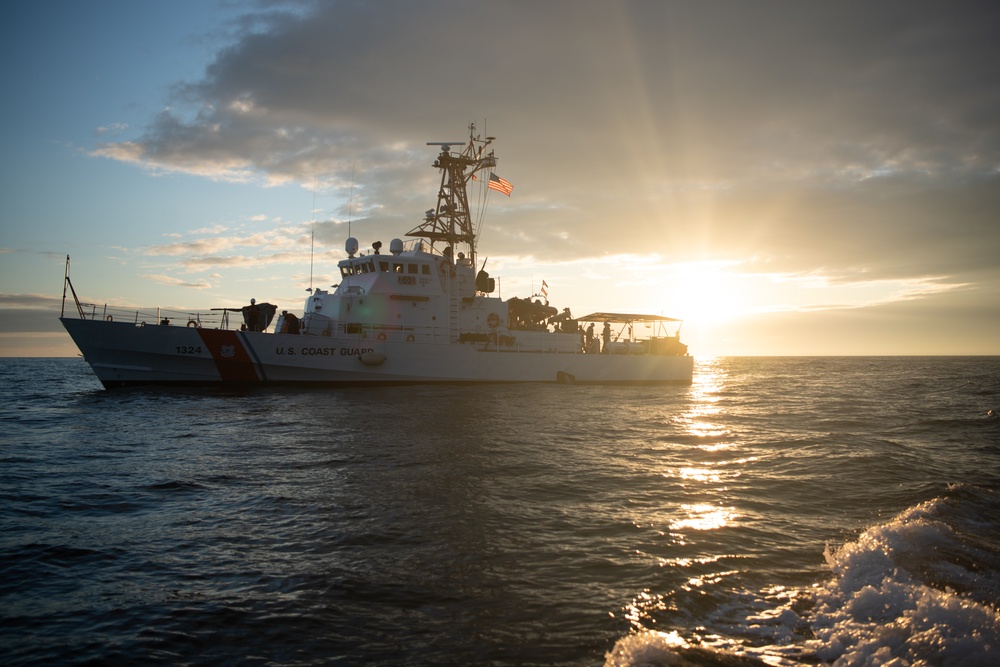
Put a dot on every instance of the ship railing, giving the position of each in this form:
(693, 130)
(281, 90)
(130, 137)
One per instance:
(501, 340)
(628, 347)
(149, 316)
(657, 346)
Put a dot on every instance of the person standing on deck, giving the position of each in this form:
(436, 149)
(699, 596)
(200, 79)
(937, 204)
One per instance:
(252, 316)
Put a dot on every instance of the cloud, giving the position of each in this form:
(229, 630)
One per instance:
(269, 239)
(186, 159)
(938, 324)
(855, 293)
(113, 129)
(175, 282)
(242, 261)
(188, 247)
(29, 301)
(240, 250)
(214, 229)
(818, 137)
(722, 290)
(30, 313)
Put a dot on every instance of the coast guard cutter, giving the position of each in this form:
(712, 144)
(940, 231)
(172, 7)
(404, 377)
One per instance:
(420, 313)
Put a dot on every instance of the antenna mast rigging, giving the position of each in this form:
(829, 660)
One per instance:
(450, 221)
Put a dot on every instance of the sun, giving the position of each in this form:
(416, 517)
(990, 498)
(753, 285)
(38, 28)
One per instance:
(702, 293)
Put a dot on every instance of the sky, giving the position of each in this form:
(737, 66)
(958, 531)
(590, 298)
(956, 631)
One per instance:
(789, 178)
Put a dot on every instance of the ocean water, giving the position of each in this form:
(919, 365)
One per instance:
(780, 511)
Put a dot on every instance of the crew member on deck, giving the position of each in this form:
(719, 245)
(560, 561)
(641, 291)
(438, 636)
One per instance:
(606, 335)
(590, 339)
(252, 316)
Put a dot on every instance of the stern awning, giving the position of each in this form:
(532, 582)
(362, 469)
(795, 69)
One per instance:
(625, 318)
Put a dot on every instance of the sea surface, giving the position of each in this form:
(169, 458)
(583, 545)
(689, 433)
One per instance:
(780, 511)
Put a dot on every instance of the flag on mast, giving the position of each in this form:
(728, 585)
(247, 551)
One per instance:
(500, 185)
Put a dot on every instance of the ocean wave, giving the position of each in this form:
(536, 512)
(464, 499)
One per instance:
(923, 586)
(653, 649)
(920, 589)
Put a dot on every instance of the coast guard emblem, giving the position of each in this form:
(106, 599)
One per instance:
(228, 351)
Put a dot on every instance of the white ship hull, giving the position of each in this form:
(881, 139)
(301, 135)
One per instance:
(123, 354)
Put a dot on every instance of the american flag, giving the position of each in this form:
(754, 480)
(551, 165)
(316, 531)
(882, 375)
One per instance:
(500, 185)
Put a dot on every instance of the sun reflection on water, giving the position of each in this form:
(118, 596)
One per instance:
(641, 606)
(689, 516)
(708, 579)
(700, 475)
(705, 397)
(704, 517)
(702, 429)
(699, 463)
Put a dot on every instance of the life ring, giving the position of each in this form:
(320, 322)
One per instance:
(110, 318)
(381, 336)
(410, 338)
(493, 320)
(192, 323)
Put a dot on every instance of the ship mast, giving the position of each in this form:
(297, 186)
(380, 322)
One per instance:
(450, 221)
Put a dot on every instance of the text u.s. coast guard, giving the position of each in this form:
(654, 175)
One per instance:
(322, 351)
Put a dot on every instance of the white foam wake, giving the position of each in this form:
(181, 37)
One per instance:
(920, 589)
(906, 591)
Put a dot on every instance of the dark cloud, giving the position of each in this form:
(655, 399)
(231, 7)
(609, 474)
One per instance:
(30, 313)
(30, 301)
(31, 320)
(849, 136)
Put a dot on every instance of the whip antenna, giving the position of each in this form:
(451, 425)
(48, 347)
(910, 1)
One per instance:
(350, 203)
(312, 239)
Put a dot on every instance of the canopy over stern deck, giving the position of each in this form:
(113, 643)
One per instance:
(625, 318)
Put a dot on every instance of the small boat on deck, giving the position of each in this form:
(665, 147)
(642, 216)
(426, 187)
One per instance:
(422, 313)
